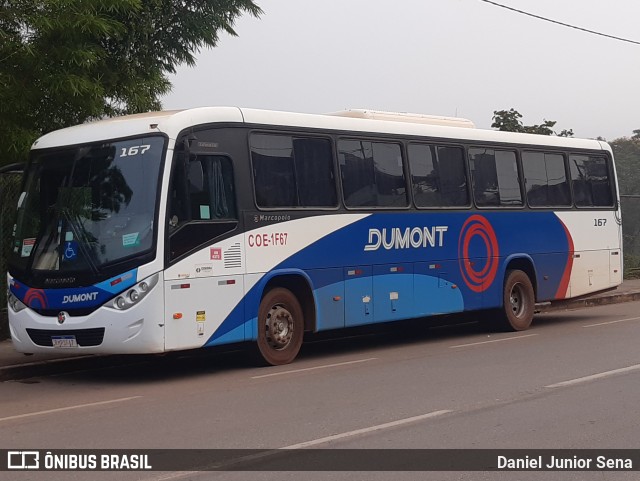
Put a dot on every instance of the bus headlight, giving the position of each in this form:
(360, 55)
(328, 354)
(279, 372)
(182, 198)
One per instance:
(15, 304)
(120, 303)
(134, 294)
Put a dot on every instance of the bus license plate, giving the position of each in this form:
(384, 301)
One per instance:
(64, 341)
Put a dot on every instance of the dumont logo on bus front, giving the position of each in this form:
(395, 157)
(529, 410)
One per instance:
(407, 238)
(84, 297)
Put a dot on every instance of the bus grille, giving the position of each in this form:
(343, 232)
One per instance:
(84, 337)
(71, 312)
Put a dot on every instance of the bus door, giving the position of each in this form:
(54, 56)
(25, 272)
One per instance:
(205, 281)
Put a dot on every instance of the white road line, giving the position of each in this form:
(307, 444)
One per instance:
(68, 408)
(370, 429)
(612, 322)
(494, 340)
(282, 373)
(314, 442)
(592, 377)
(178, 475)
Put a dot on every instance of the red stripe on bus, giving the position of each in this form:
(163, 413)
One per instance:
(561, 293)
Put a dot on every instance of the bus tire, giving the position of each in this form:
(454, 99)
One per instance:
(280, 327)
(518, 302)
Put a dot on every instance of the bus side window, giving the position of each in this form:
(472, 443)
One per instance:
(197, 196)
(546, 179)
(218, 199)
(372, 174)
(292, 171)
(495, 177)
(208, 192)
(591, 182)
(202, 205)
(438, 176)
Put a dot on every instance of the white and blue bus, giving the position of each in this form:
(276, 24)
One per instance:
(187, 229)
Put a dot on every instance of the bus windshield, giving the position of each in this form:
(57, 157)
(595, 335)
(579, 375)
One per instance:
(88, 206)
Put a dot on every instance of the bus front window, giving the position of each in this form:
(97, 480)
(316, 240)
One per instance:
(86, 207)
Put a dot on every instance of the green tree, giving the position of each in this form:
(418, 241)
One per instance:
(627, 154)
(63, 62)
(509, 120)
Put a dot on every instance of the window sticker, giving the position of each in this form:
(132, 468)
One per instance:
(68, 236)
(204, 269)
(131, 240)
(70, 250)
(205, 213)
(27, 247)
(201, 317)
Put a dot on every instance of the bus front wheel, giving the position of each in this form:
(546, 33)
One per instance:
(518, 302)
(280, 327)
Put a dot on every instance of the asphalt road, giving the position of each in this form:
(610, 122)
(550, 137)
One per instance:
(572, 381)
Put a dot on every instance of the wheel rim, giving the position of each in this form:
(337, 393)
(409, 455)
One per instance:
(279, 328)
(517, 300)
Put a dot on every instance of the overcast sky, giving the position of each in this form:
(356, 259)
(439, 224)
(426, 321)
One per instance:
(462, 58)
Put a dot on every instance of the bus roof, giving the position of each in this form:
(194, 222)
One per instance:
(173, 122)
(405, 117)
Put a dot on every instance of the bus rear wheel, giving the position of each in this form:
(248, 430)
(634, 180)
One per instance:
(280, 327)
(518, 302)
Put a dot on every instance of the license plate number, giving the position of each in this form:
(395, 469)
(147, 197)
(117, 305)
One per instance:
(64, 341)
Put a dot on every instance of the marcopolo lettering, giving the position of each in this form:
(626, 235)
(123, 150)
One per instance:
(73, 298)
(407, 238)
